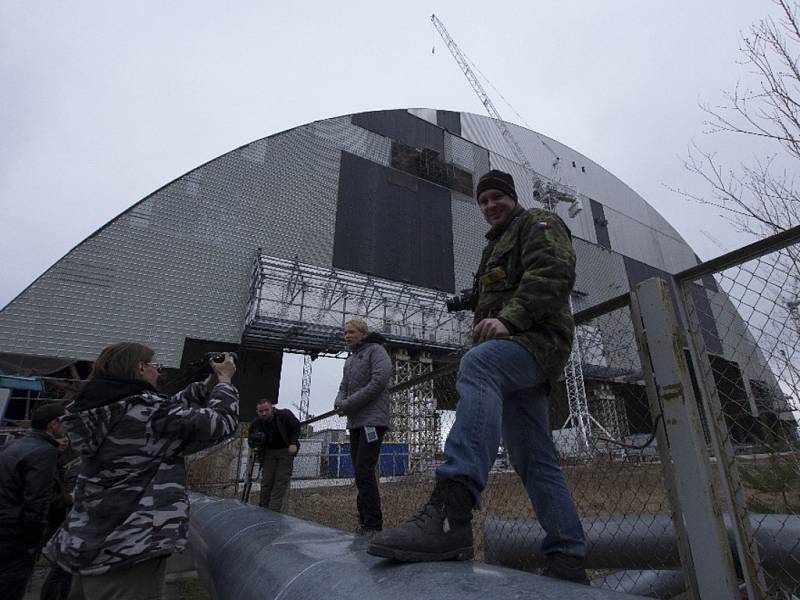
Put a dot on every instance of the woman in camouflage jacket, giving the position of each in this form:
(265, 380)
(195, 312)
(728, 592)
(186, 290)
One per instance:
(131, 507)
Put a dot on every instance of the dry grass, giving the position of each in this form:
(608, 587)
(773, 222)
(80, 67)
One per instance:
(615, 489)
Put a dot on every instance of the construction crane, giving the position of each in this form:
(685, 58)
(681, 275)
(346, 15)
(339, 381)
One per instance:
(549, 193)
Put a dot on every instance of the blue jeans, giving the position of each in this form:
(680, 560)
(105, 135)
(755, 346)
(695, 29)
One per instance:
(501, 388)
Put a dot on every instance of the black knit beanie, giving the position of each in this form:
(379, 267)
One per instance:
(497, 180)
(46, 413)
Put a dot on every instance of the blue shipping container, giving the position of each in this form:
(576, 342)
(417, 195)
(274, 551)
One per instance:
(394, 460)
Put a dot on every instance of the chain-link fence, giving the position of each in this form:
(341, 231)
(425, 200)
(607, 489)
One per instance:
(740, 326)
(744, 327)
(605, 439)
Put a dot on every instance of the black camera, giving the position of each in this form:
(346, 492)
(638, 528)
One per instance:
(202, 368)
(463, 301)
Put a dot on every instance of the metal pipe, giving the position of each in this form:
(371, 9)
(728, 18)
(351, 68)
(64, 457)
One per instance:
(640, 542)
(247, 553)
(653, 584)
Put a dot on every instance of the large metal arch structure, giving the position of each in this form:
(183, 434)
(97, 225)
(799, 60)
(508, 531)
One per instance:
(178, 263)
(383, 200)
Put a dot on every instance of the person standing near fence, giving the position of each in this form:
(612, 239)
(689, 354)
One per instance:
(364, 399)
(27, 469)
(58, 582)
(130, 510)
(522, 338)
(273, 435)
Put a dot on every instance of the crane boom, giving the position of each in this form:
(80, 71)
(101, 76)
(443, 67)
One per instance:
(548, 194)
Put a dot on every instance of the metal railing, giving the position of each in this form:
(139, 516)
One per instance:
(743, 333)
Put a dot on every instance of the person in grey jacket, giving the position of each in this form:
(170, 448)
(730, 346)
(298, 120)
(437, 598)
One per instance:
(364, 398)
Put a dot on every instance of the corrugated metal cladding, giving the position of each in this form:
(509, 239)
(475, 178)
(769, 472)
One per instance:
(449, 121)
(737, 340)
(401, 126)
(446, 119)
(599, 274)
(177, 264)
(639, 271)
(469, 230)
(392, 225)
(340, 133)
(600, 224)
(634, 239)
(466, 155)
(590, 180)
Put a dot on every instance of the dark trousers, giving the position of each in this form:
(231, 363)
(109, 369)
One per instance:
(276, 476)
(365, 458)
(57, 584)
(16, 567)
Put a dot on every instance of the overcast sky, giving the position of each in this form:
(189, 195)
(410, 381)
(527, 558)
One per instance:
(101, 103)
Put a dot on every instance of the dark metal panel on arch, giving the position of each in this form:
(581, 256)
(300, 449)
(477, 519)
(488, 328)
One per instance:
(393, 225)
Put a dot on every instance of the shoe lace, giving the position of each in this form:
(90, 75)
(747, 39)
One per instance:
(428, 512)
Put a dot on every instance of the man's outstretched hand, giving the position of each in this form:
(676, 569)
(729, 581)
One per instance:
(487, 329)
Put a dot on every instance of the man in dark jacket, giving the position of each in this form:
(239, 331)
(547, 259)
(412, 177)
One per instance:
(523, 331)
(58, 582)
(27, 470)
(274, 437)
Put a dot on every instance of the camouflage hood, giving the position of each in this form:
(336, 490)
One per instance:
(98, 409)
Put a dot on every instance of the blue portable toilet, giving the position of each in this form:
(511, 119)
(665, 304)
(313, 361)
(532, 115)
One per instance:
(394, 459)
(340, 462)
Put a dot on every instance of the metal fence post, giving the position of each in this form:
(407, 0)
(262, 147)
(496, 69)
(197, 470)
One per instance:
(705, 551)
(723, 450)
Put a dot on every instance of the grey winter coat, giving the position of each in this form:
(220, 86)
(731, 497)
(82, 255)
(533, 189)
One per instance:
(364, 392)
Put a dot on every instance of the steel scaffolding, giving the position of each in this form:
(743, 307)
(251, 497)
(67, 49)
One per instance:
(302, 307)
(413, 412)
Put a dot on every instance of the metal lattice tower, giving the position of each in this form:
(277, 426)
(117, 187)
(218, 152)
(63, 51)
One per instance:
(413, 410)
(305, 388)
(580, 417)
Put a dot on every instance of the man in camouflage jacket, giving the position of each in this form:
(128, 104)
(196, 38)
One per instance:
(523, 331)
(130, 502)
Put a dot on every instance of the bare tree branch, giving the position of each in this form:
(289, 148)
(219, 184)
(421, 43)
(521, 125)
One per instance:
(760, 198)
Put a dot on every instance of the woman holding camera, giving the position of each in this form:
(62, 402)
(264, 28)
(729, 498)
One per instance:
(131, 509)
(364, 398)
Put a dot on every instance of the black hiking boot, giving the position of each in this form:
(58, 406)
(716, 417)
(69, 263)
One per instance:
(565, 567)
(442, 530)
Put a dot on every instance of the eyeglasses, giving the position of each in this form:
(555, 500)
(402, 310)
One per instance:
(157, 366)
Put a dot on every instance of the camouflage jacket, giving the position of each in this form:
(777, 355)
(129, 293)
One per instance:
(130, 499)
(525, 277)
